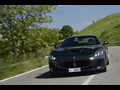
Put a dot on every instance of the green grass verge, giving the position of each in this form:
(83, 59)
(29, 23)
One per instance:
(32, 61)
(107, 28)
(21, 68)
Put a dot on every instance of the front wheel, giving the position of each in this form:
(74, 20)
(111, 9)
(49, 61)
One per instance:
(104, 69)
(107, 61)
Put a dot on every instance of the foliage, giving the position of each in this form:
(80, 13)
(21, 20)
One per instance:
(66, 31)
(41, 38)
(16, 24)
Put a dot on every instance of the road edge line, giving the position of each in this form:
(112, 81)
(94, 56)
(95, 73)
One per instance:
(23, 73)
(87, 81)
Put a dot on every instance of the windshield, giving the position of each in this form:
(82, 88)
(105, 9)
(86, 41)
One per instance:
(80, 41)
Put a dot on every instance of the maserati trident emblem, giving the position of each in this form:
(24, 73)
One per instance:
(74, 64)
(74, 58)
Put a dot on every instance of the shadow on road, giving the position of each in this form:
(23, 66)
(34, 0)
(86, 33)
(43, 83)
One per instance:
(47, 75)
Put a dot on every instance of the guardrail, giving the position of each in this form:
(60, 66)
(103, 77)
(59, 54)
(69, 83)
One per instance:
(113, 42)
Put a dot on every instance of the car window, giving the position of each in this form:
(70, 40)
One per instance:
(80, 41)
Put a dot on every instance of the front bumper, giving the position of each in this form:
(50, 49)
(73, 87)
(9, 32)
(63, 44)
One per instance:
(85, 65)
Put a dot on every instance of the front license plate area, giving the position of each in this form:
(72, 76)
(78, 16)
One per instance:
(70, 70)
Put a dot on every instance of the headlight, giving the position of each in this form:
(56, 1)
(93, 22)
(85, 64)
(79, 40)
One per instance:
(99, 53)
(51, 57)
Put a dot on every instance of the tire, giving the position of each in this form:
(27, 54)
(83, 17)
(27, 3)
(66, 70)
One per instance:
(105, 69)
(107, 61)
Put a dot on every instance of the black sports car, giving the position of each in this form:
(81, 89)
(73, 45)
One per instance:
(78, 54)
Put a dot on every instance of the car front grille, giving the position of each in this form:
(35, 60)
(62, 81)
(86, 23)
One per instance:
(73, 64)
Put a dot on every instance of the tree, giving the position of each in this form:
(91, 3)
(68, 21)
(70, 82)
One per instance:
(16, 21)
(8, 25)
(30, 16)
(66, 31)
(41, 38)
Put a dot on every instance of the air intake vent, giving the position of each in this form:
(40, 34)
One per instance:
(82, 51)
(87, 51)
(75, 50)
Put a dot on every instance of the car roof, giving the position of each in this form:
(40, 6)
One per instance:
(82, 35)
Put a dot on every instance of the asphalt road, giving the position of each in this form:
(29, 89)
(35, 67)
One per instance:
(41, 76)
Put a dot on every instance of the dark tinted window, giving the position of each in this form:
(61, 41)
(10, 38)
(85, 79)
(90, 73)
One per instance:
(80, 41)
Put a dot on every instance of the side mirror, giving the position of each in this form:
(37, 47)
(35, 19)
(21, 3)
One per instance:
(105, 42)
(56, 46)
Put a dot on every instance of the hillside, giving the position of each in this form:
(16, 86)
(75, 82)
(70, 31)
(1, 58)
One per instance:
(107, 28)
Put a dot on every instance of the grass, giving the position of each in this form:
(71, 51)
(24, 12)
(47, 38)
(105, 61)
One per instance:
(8, 69)
(107, 28)
(22, 67)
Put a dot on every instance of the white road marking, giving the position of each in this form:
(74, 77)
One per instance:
(23, 73)
(86, 82)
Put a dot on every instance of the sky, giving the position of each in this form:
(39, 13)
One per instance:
(79, 16)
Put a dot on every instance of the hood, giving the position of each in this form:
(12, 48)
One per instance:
(75, 51)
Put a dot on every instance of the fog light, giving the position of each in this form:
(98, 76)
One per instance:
(99, 67)
(91, 58)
